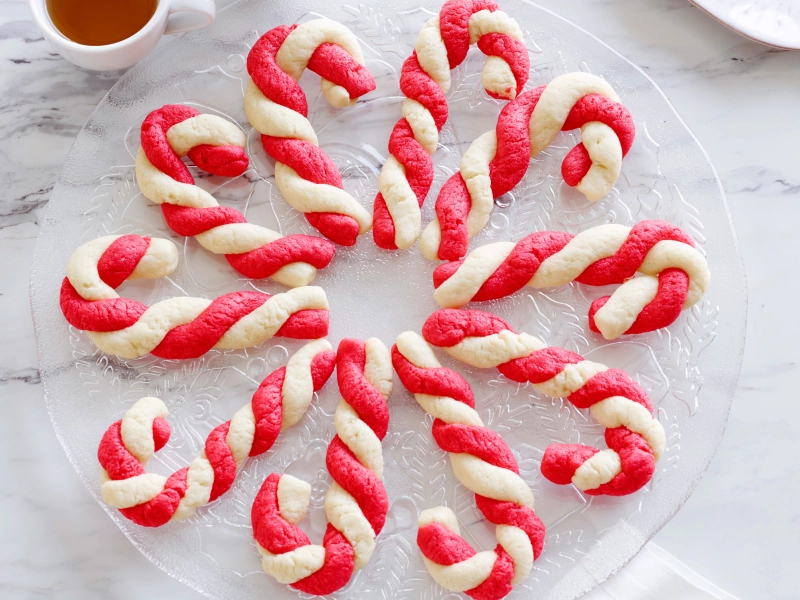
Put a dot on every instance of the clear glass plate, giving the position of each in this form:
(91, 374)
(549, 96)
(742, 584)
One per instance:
(690, 369)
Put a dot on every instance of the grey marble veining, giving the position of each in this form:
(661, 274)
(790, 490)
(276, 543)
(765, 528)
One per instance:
(739, 528)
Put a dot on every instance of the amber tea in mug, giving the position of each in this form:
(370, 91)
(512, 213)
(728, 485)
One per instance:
(100, 22)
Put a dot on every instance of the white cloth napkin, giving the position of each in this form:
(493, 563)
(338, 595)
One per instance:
(654, 574)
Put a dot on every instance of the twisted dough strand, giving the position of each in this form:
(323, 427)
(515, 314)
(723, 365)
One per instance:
(497, 161)
(153, 500)
(634, 436)
(481, 461)
(441, 46)
(674, 275)
(276, 106)
(356, 503)
(217, 146)
(181, 327)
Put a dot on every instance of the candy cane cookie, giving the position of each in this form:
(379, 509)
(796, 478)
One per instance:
(484, 464)
(497, 161)
(674, 275)
(441, 46)
(153, 500)
(276, 106)
(634, 436)
(217, 146)
(355, 504)
(181, 327)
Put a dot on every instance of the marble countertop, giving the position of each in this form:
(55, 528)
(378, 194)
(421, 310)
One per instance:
(739, 529)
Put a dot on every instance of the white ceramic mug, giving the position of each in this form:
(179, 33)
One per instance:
(170, 16)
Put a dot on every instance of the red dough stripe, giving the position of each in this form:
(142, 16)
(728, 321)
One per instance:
(322, 367)
(226, 161)
(510, 50)
(120, 259)
(266, 405)
(498, 584)
(513, 154)
(359, 482)
(434, 382)
(267, 260)
(636, 457)
(540, 365)
(337, 569)
(452, 210)
(98, 315)
(447, 327)
(415, 83)
(478, 441)
(308, 160)
(221, 458)
(613, 382)
(331, 62)
(442, 546)
(114, 456)
(189, 221)
(275, 83)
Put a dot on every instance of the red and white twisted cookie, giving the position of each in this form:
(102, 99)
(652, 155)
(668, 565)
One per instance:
(674, 274)
(441, 46)
(276, 106)
(356, 503)
(217, 146)
(181, 327)
(484, 464)
(497, 161)
(634, 436)
(153, 500)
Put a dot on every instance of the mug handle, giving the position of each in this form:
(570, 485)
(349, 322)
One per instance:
(195, 14)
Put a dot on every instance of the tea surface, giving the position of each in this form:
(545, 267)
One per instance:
(100, 22)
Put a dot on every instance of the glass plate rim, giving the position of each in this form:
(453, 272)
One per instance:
(132, 71)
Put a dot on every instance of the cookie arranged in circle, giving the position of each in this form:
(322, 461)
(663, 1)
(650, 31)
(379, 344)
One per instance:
(655, 264)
